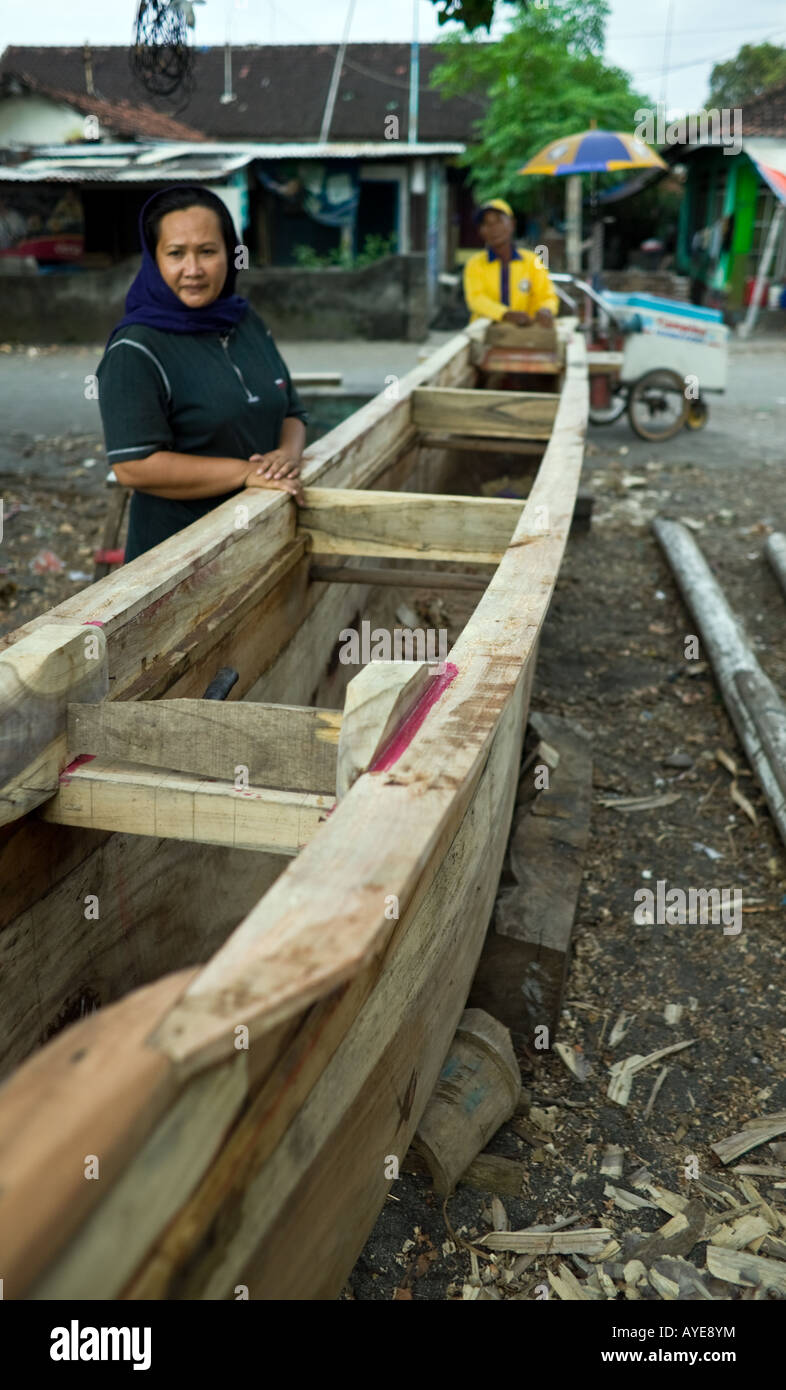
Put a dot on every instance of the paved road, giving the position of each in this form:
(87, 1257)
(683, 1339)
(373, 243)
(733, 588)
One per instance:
(43, 400)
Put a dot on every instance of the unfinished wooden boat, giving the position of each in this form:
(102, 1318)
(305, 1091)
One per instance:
(278, 901)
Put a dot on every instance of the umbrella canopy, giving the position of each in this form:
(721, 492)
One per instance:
(594, 152)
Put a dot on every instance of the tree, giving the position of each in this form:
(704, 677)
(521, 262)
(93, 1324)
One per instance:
(545, 78)
(756, 68)
(471, 13)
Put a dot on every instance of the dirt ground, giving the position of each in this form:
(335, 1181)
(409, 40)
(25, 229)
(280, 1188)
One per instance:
(612, 658)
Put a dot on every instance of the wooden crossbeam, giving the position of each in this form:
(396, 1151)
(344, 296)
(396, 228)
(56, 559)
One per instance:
(396, 578)
(109, 795)
(404, 525)
(509, 414)
(38, 677)
(283, 747)
(486, 446)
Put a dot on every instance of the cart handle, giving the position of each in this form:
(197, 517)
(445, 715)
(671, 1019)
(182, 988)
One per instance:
(564, 279)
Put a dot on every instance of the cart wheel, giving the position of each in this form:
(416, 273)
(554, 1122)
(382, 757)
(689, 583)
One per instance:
(657, 407)
(697, 415)
(606, 415)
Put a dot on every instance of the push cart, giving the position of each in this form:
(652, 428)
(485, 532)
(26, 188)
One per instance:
(656, 358)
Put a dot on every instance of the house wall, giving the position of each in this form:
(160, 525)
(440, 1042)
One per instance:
(35, 120)
(383, 300)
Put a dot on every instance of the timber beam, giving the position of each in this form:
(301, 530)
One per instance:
(408, 525)
(282, 747)
(104, 795)
(399, 579)
(498, 414)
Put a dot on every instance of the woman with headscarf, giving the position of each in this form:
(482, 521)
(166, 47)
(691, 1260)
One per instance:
(196, 401)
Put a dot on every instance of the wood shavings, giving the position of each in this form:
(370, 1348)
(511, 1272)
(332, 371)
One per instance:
(627, 1201)
(587, 1241)
(622, 1073)
(654, 1092)
(574, 1060)
(755, 1132)
(749, 1271)
(740, 799)
(612, 1160)
(620, 1028)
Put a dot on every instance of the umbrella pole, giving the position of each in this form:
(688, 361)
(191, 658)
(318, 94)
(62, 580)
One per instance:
(573, 223)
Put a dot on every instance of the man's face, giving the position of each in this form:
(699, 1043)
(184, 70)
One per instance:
(496, 228)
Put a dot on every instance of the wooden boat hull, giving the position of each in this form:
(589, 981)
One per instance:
(227, 1169)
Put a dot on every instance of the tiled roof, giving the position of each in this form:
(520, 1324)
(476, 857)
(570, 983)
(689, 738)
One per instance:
(280, 88)
(120, 117)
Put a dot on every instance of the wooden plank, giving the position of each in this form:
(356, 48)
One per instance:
(522, 971)
(403, 525)
(396, 578)
(385, 836)
(119, 1232)
(518, 363)
(514, 414)
(286, 747)
(106, 795)
(379, 698)
(537, 337)
(129, 911)
(487, 446)
(307, 1193)
(755, 706)
(82, 1096)
(38, 678)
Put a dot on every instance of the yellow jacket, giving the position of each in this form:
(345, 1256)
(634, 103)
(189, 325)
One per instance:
(491, 286)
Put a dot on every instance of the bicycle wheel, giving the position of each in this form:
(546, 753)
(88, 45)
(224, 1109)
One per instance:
(657, 408)
(607, 414)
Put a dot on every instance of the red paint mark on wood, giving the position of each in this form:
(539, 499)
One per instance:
(401, 739)
(78, 760)
(92, 622)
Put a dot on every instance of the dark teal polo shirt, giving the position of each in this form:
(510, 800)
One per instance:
(221, 395)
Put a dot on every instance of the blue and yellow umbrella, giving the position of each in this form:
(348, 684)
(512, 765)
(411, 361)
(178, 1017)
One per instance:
(594, 152)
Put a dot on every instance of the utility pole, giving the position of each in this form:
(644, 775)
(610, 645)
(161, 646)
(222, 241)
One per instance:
(414, 79)
(334, 81)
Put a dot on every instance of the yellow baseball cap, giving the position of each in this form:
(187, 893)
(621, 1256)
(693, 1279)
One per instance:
(497, 204)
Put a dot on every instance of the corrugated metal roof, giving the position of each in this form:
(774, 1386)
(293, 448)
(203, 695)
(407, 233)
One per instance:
(93, 163)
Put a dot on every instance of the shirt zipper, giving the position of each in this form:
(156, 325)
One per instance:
(236, 369)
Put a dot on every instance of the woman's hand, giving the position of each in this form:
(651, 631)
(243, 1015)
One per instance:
(258, 478)
(277, 464)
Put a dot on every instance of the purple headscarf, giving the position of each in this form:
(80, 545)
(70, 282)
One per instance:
(152, 302)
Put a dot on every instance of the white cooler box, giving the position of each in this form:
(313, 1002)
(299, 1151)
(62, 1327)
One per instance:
(681, 337)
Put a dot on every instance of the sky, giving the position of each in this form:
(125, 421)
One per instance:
(702, 32)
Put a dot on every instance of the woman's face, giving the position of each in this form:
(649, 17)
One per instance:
(191, 255)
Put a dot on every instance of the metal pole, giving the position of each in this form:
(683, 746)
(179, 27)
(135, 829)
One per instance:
(334, 81)
(573, 223)
(414, 79)
(761, 274)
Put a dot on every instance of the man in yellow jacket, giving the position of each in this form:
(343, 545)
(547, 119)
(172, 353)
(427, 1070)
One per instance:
(505, 282)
